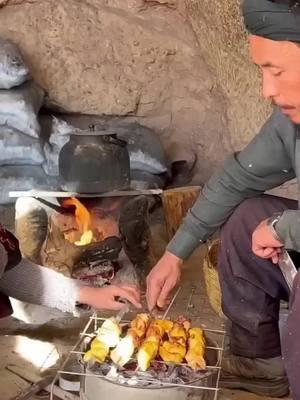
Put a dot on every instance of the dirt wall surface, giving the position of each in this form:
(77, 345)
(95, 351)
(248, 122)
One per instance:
(179, 66)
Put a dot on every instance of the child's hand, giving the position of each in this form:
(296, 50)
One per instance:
(105, 298)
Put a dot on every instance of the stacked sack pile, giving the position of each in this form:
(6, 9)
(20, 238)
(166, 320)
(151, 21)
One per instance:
(30, 143)
(21, 154)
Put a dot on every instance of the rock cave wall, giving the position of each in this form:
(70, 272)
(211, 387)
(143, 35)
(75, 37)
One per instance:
(178, 66)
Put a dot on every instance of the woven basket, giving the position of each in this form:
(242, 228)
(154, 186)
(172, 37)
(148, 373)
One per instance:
(211, 276)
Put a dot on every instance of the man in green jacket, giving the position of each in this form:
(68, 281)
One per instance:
(254, 227)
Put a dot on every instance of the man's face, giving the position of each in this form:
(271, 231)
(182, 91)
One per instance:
(280, 65)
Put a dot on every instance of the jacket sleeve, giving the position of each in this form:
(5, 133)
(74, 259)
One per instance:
(265, 163)
(288, 229)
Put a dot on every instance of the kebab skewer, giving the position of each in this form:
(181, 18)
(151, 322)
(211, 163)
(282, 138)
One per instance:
(108, 336)
(150, 346)
(126, 346)
(174, 349)
(196, 349)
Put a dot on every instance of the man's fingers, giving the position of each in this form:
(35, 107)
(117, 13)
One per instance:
(269, 252)
(165, 291)
(264, 252)
(153, 291)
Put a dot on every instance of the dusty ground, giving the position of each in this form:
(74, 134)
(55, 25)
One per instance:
(34, 356)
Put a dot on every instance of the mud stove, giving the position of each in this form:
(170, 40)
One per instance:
(97, 230)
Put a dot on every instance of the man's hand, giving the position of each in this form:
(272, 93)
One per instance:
(162, 279)
(264, 244)
(105, 298)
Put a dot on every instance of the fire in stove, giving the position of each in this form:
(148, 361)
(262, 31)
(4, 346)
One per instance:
(99, 240)
(83, 219)
(84, 224)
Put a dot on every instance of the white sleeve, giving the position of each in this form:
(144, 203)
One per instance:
(35, 284)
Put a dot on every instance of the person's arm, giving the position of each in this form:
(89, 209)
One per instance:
(35, 284)
(265, 163)
(38, 285)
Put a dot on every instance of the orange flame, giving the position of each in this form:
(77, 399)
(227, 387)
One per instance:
(83, 219)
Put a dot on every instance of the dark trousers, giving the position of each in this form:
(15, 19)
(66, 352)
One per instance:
(253, 287)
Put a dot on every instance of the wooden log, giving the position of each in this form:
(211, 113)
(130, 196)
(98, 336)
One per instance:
(176, 203)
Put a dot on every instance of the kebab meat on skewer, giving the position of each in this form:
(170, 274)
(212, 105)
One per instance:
(108, 336)
(174, 349)
(135, 334)
(150, 346)
(196, 349)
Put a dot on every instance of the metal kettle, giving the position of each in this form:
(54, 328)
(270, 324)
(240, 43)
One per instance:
(94, 161)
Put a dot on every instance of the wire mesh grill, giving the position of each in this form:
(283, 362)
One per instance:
(199, 384)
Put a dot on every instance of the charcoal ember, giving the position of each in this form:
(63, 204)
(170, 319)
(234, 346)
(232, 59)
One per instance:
(108, 249)
(131, 366)
(188, 375)
(186, 371)
(175, 376)
(159, 366)
(97, 368)
(170, 374)
(95, 274)
(98, 264)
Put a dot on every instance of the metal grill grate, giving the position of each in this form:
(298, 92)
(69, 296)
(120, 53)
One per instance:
(89, 332)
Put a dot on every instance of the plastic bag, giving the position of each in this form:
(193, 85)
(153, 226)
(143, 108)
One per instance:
(13, 178)
(59, 136)
(146, 152)
(13, 70)
(19, 149)
(19, 108)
